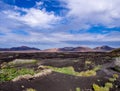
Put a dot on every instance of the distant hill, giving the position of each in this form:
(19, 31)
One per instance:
(21, 48)
(69, 49)
(103, 48)
(116, 50)
(80, 49)
(83, 49)
(51, 50)
(64, 49)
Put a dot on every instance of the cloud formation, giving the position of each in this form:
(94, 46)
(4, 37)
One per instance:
(38, 27)
(95, 12)
(33, 17)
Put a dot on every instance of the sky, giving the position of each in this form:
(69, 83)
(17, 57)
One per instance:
(59, 23)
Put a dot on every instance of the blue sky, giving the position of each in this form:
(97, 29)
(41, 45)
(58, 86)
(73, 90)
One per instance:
(59, 23)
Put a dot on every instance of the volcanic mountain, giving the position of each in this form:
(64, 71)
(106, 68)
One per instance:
(64, 49)
(52, 50)
(69, 49)
(80, 49)
(21, 48)
(103, 48)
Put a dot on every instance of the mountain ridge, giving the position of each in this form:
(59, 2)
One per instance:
(21, 48)
(81, 49)
(64, 49)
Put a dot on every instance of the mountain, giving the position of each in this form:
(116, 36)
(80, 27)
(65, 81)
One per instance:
(77, 49)
(80, 49)
(64, 49)
(21, 48)
(51, 50)
(83, 49)
(103, 48)
(69, 49)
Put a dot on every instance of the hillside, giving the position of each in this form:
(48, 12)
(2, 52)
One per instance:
(21, 48)
(81, 49)
(64, 49)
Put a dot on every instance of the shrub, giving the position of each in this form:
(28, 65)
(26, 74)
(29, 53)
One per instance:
(112, 79)
(70, 71)
(96, 68)
(22, 61)
(98, 88)
(78, 89)
(108, 85)
(115, 76)
(8, 74)
(30, 89)
(87, 73)
(88, 62)
(65, 70)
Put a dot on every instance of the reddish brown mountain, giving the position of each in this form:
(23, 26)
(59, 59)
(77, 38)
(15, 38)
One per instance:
(51, 50)
(69, 49)
(80, 49)
(65, 49)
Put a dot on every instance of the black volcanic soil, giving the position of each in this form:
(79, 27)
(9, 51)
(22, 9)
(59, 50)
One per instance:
(52, 82)
(8, 56)
(56, 82)
(62, 82)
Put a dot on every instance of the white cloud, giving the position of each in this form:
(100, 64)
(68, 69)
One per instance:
(59, 37)
(39, 18)
(38, 23)
(95, 12)
(33, 17)
(38, 4)
(112, 36)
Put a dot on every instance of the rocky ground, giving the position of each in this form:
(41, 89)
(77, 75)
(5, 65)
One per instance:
(60, 81)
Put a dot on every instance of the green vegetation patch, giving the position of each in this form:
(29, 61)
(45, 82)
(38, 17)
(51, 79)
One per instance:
(78, 89)
(65, 70)
(70, 70)
(18, 62)
(22, 61)
(99, 88)
(30, 89)
(8, 74)
(114, 78)
(107, 86)
(87, 73)
(88, 62)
